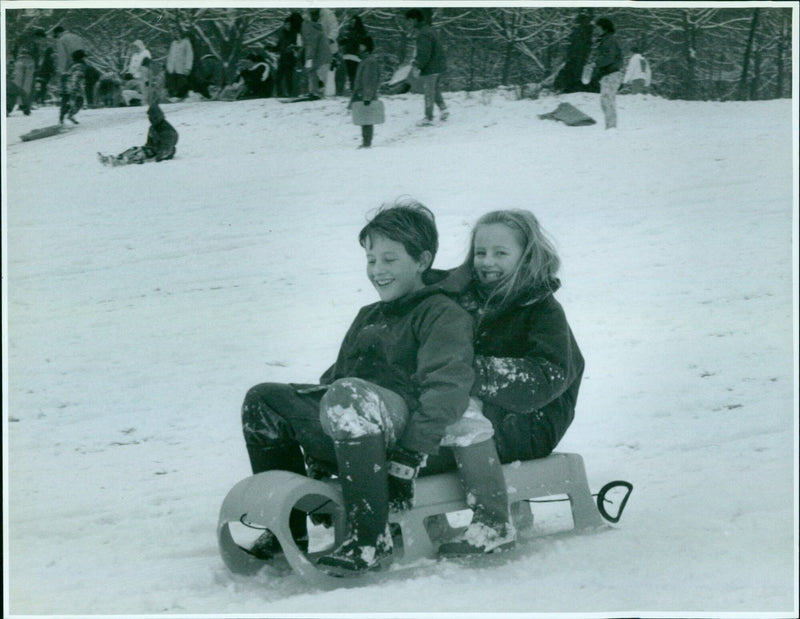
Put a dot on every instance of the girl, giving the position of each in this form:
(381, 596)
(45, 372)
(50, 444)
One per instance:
(160, 146)
(528, 367)
(365, 88)
(403, 373)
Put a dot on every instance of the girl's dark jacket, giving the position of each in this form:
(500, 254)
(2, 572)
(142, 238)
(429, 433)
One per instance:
(419, 346)
(528, 367)
(161, 137)
(368, 79)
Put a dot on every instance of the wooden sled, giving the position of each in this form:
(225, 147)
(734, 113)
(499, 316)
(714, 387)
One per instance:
(265, 500)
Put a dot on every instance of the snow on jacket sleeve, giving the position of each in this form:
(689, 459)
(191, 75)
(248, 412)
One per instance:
(444, 374)
(549, 367)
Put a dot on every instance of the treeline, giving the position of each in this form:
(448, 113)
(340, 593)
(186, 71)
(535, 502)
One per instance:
(695, 53)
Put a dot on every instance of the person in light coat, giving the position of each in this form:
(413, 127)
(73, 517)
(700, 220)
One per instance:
(140, 52)
(637, 75)
(180, 60)
(317, 54)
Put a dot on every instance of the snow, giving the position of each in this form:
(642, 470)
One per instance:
(143, 301)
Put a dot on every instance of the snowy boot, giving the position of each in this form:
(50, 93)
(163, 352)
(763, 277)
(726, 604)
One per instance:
(481, 475)
(362, 473)
(283, 458)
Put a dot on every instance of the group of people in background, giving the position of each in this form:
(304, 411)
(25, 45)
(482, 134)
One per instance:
(37, 60)
(309, 47)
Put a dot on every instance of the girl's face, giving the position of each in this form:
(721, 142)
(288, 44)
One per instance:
(390, 268)
(497, 251)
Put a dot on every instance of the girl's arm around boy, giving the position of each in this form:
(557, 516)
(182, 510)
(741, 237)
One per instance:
(550, 364)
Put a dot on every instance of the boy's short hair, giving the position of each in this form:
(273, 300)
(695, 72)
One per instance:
(408, 222)
(416, 15)
(368, 43)
(78, 55)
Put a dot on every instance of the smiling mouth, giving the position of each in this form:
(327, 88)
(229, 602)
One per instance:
(382, 282)
(491, 276)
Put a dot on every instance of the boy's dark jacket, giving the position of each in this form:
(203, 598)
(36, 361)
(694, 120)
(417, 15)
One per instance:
(161, 137)
(609, 56)
(431, 58)
(419, 346)
(526, 358)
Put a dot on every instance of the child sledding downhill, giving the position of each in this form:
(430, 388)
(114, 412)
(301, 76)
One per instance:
(160, 146)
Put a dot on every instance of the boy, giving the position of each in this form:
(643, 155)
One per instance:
(72, 102)
(403, 373)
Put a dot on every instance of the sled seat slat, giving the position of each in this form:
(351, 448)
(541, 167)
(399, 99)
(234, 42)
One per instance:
(266, 500)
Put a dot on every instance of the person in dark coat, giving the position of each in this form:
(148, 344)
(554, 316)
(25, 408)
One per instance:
(402, 375)
(160, 146)
(366, 84)
(528, 367)
(350, 38)
(608, 70)
(288, 49)
(257, 77)
(45, 72)
(429, 65)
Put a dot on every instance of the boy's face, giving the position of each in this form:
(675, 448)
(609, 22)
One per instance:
(390, 268)
(496, 253)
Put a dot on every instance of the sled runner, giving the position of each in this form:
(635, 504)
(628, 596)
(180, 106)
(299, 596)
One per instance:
(265, 500)
(43, 132)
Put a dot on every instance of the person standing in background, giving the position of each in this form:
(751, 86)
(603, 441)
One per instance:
(27, 52)
(44, 73)
(288, 48)
(353, 34)
(429, 64)
(317, 54)
(140, 52)
(365, 86)
(67, 43)
(180, 60)
(608, 69)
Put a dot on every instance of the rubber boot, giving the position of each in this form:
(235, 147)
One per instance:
(362, 473)
(286, 457)
(481, 476)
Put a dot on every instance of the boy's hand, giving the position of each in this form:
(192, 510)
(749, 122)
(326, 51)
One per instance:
(404, 466)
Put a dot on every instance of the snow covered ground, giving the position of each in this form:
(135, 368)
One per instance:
(143, 301)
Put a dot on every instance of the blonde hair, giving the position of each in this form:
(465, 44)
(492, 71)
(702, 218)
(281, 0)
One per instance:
(538, 264)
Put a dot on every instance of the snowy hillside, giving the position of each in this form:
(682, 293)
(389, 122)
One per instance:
(143, 301)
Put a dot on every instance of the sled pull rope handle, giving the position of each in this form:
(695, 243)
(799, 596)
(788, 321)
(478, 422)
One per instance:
(252, 526)
(601, 499)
